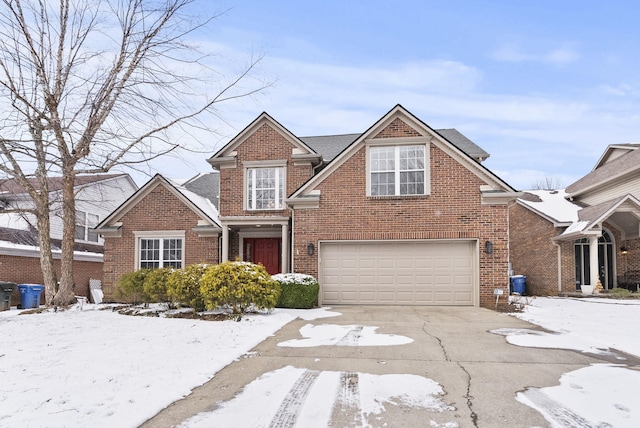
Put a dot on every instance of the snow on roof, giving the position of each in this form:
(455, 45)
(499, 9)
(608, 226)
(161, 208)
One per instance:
(551, 204)
(13, 249)
(13, 221)
(204, 204)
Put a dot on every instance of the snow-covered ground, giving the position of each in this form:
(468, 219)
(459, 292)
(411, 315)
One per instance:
(601, 395)
(98, 368)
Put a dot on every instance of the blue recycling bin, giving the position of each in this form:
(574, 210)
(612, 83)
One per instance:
(518, 284)
(30, 295)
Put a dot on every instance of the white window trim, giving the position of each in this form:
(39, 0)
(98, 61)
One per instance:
(87, 227)
(398, 143)
(247, 165)
(157, 234)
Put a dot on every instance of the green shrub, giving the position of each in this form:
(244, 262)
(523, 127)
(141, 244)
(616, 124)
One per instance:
(155, 285)
(183, 286)
(131, 286)
(240, 286)
(299, 291)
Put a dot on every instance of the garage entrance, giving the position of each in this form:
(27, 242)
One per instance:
(398, 272)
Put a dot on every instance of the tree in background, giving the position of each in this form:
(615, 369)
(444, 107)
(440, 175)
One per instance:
(86, 86)
(546, 183)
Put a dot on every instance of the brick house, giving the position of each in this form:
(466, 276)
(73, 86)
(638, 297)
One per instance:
(565, 239)
(400, 214)
(96, 196)
(165, 223)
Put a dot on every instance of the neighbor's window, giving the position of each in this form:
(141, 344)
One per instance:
(265, 188)
(397, 170)
(84, 222)
(160, 252)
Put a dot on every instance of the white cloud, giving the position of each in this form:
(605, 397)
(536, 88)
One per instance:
(559, 56)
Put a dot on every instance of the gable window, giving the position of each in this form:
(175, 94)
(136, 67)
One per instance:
(84, 222)
(397, 170)
(160, 253)
(265, 188)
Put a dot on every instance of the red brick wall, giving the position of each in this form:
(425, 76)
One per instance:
(263, 145)
(159, 210)
(453, 210)
(534, 255)
(26, 270)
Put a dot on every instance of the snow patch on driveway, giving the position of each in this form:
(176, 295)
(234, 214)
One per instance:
(343, 335)
(296, 397)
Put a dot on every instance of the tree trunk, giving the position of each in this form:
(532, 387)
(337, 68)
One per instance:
(46, 257)
(66, 295)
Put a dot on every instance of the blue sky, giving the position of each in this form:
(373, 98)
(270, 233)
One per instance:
(543, 86)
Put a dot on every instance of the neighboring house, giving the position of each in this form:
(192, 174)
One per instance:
(96, 196)
(585, 233)
(164, 224)
(401, 214)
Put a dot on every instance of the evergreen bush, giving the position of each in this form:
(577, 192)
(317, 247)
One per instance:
(183, 286)
(239, 286)
(155, 285)
(299, 291)
(131, 287)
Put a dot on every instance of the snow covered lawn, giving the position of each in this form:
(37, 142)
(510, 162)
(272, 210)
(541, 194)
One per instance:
(99, 368)
(602, 395)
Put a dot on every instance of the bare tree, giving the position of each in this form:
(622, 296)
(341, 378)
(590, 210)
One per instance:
(546, 183)
(89, 85)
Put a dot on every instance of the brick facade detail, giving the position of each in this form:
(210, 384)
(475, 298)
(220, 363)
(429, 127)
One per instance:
(159, 210)
(452, 210)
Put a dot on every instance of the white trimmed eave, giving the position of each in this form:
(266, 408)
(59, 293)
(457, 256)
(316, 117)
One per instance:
(224, 162)
(311, 200)
(491, 196)
(611, 179)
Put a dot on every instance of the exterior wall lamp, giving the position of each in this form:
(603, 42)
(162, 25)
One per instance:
(623, 250)
(310, 248)
(488, 247)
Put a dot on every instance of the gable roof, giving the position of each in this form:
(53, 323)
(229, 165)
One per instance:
(226, 151)
(202, 206)
(606, 173)
(614, 151)
(552, 205)
(11, 186)
(205, 185)
(497, 184)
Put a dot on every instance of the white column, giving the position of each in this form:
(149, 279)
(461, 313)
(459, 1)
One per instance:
(225, 243)
(593, 260)
(284, 256)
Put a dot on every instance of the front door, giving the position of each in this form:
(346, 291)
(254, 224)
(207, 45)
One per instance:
(265, 251)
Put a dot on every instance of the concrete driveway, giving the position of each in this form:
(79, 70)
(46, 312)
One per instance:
(479, 372)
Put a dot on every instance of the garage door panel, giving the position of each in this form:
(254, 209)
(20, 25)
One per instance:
(408, 273)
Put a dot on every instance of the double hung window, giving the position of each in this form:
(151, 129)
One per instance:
(265, 188)
(397, 170)
(84, 223)
(160, 253)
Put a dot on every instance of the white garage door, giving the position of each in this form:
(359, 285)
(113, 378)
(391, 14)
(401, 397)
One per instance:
(402, 273)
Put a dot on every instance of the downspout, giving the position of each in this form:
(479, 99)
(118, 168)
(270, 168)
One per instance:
(293, 241)
(559, 265)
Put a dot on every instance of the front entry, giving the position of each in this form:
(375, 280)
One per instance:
(265, 251)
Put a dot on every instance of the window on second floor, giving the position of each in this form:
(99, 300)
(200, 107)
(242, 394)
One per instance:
(397, 170)
(84, 223)
(265, 188)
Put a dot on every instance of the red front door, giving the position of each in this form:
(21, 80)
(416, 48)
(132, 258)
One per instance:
(265, 251)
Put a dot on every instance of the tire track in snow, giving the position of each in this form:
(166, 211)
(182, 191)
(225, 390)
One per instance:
(349, 396)
(560, 415)
(352, 337)
(289, 409)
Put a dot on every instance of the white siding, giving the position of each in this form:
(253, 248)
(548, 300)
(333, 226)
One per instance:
(630, 185)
